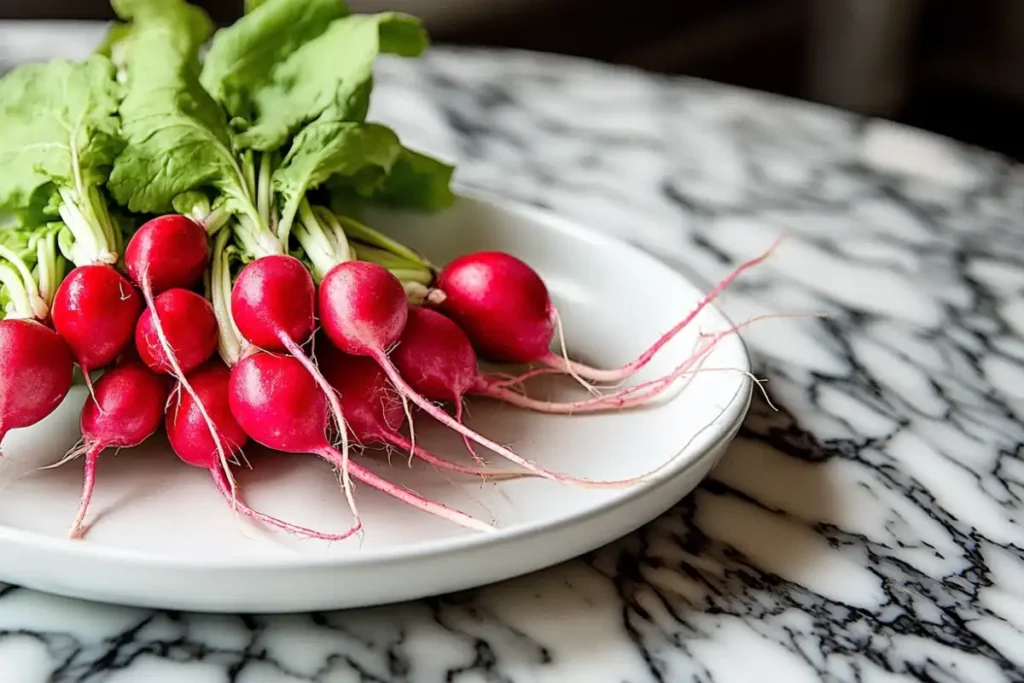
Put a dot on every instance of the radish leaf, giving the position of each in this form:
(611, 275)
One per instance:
(362, 152)
(417, 181)
(301, 89)
(177, 136)
(57, 143)
(243, 56)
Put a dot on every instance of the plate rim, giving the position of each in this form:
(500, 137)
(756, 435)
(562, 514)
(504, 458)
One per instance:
(706, 441)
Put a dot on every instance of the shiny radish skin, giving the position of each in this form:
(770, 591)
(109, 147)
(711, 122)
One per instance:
(37, 373)
(278, 405)
(190, 327)
(274, 296)
(193, 443)
(437, 359)
(127, 409)
(374, 415)
(186, 430)
(435, 356)
(363, 310)
(95, 310)
(167, 252)
(501, 304)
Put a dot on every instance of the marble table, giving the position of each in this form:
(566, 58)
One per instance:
(869, 530)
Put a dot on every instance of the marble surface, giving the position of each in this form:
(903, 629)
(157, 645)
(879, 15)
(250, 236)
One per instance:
(870, 530)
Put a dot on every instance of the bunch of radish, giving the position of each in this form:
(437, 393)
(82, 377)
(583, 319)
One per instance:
(184, 241)
(156, 338)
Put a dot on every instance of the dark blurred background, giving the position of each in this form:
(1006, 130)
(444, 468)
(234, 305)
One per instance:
(956, 68)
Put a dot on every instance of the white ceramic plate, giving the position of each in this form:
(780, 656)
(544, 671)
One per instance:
(161, 537)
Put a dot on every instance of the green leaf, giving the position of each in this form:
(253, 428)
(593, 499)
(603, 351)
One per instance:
(301, 88)
(362, 152)
(59, 130)
(191, 25)
(242, 56)
(19, 240)
(177, 137)
(416, 182)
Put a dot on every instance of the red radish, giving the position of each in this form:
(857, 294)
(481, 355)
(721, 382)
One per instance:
(194, 444)
(171, 252)
(190, 329)
(278, 405)
(374, 415)
(37, 373)
(167, 251)
(503, 306)
(273, 304)
(364, 311)
(437, 359)
(94, 311)
(127, 409)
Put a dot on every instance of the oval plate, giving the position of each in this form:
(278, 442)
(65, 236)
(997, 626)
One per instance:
(161, 537)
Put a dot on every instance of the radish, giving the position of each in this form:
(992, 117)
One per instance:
(374, 415)
(95, 311)
(165, 252)
(273, 304)
(190, 330)
(279, 405)
(437, 359)
(127, 409)
(171, 252)
(504, 308)
(37, 364)
(193, 442)
(364, 312)
(37, 373)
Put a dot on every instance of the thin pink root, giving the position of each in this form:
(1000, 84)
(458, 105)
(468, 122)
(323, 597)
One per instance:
(221, 482)
(88, 385)
(405, 495)
(89, 483)
(621, 400)
(335, 406)
(400, 442)
(448, 421)
(459, 405)
(564, 365)
(504, 380)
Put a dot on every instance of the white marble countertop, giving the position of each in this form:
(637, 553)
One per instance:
(869, 531)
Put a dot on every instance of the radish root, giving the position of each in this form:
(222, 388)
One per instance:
(405, 495)
(89, 483)
(447, 420)
(587, 372)
(239, 506)
(339, 417)
(630, 397)
(398, 441)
